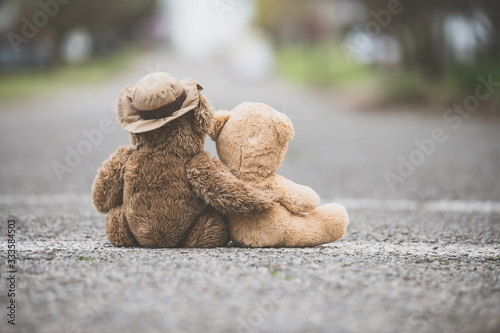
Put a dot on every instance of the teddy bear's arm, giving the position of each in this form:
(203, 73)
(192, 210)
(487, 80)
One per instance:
(218, 187)
(296, 198)
(107, 191)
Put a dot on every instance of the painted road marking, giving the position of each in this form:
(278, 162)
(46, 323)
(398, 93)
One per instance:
(484, 207)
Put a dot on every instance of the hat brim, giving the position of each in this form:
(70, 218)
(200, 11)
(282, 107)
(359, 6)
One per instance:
(132, 122)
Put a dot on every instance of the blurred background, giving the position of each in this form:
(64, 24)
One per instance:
(422, 52)
(364, 78)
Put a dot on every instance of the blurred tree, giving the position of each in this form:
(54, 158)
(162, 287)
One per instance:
(491, 9)
(445, 43)
(420, 30)
(100, 18)
(419, 27)
(292, 21)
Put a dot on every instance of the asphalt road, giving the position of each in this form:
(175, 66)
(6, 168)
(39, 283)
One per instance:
(421, 253)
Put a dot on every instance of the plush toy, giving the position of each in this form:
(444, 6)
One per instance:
(252, 141)
(143, 187)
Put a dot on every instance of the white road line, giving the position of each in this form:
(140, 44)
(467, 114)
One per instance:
(484, 207)
(43, 199)
(357, 248)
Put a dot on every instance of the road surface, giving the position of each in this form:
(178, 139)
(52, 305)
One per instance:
(421, 253)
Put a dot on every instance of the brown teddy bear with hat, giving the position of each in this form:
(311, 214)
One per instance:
(143, 187)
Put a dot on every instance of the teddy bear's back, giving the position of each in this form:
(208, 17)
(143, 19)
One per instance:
(159, 205)
(260, 229)
(266, 228)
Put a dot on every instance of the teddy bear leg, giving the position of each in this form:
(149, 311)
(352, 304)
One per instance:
(325, 224)
(211, 230)
(117, 229)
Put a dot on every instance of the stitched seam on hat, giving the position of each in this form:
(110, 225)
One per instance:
(172, 91)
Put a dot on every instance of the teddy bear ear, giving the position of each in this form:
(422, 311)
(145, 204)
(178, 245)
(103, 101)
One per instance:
(220, 118)
(203, 114)
(284, 127)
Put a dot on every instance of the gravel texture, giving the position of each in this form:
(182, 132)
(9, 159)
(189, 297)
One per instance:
(413, 272)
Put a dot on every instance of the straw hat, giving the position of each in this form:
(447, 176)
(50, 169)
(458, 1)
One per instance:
(156, 100)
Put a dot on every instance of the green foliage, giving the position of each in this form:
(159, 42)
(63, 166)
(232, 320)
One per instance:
(464, 79)
(280, 275)
(320, 64)
(82, 258)
(408, 86)
(326, 66)
(413, 86)
(21, 84)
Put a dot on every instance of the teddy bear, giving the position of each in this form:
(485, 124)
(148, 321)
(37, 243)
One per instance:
(252, 140)
(143, 187)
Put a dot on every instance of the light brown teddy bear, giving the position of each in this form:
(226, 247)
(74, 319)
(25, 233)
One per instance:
(143, 187)
(252, 141)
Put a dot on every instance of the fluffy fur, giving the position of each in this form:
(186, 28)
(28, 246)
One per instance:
(144, 191)
(252, 141)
